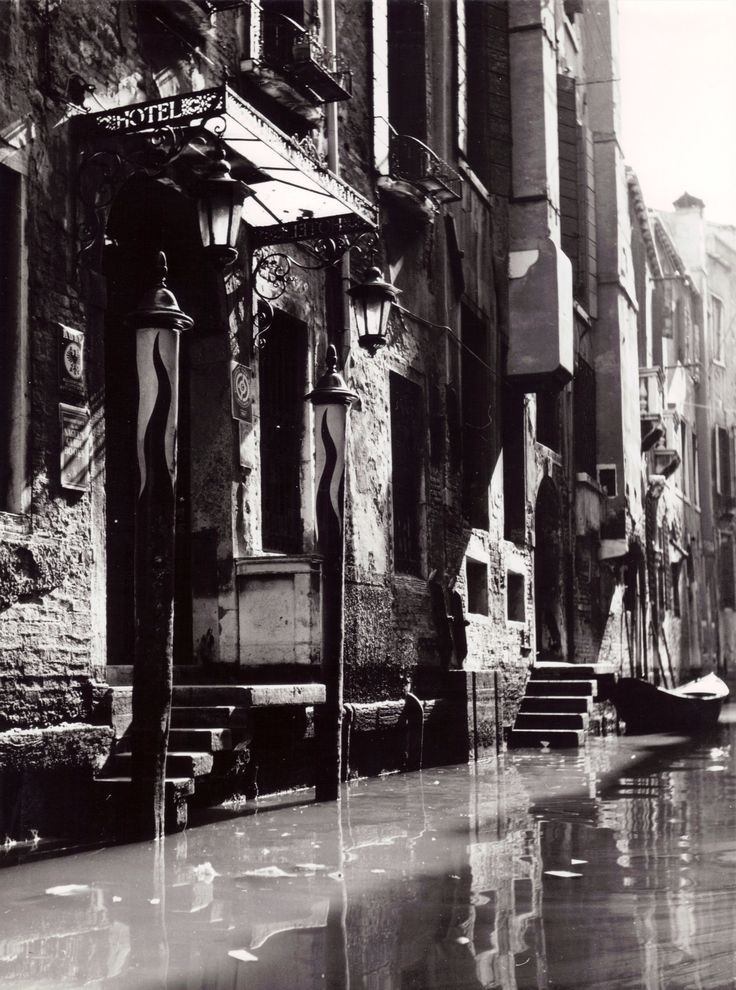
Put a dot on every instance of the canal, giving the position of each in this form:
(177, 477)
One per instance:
(612, 866)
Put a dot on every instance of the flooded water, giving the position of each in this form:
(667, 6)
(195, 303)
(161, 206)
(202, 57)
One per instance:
(614, 866)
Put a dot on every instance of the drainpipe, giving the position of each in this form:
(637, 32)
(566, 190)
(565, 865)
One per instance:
(330, 44)
(333, 163)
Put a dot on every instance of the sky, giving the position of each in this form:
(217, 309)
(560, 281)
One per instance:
(678, 92)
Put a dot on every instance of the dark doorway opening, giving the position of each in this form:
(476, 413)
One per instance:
(147, 217)
(282, 377)
(548, 572)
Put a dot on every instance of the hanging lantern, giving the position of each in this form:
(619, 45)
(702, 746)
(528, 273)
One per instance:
(371, 303)
(220, 200)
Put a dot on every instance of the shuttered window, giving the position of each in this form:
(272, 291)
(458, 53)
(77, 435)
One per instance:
(514, 454)
(476, 412)
(483, 91)
(722, 461)
(726, 574)
(584, 418)
(407, 68)
(577, 195)
(567, 135)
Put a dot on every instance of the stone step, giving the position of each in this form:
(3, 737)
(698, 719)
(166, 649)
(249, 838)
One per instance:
(557, 703)
(177, 765)
(550, 720)
(209, 717)
(550, 670)
(121, 675)
(181, 786)
(117, 791)
(193, 739)
(536, 688)
(555, 738)
(248, 695)
(207, 740)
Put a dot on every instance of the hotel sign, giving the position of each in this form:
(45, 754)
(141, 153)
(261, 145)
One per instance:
(308, 229)
(174, 110)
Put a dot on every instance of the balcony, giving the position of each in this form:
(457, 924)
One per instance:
(651, 393)
(289, 64)
(418, 174)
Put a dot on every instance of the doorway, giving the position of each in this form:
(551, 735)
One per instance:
(147, 217)
(548, 573)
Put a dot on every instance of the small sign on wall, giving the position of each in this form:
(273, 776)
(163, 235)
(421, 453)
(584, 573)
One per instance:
(71, 360)
(75, 447)
(241, 392)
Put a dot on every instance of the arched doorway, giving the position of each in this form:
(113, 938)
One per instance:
(148, 216)
(548, 572)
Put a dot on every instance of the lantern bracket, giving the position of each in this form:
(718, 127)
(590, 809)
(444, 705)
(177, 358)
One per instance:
(275, 272)
(107, 164)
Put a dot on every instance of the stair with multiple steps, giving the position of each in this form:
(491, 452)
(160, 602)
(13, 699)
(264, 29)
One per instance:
(208, 721)
(556, 706)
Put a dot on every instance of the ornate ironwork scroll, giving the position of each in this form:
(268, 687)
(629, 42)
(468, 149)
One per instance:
(107, 163)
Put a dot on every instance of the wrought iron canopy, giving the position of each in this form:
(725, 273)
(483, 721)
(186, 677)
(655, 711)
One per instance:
(294, 195)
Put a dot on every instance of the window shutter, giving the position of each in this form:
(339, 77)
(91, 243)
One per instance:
(407, 68)
(567, 134)
(588, 232)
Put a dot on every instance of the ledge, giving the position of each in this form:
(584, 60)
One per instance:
(74, 746)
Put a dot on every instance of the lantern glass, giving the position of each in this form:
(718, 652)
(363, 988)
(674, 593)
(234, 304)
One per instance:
(371, 303)
(220, 200)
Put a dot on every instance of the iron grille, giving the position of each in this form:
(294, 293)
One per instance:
(412, 161)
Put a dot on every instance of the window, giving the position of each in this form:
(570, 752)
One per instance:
(483, 91)
(567, 136)
(675, 572)
(607, 479)
(407, 471)
(514, 454)
(726, 573)
(282, 365)
(548, 419)
(584, 419)
(577, 207)
(716, 327)
(684, 323)
(476, 574)
(685, 473)
(515, 597)
(722, 461)
(14, 489)
(695, 480)
(476, 413)
(407, 69)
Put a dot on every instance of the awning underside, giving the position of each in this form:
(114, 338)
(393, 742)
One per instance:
(295, 196)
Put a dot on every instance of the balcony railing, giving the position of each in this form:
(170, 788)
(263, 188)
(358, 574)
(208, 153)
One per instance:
(413, 162)
(651, 392)
(280, 44)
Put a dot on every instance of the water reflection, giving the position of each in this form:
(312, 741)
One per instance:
(611, 867)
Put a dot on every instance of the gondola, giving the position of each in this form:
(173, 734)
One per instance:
(692, 707)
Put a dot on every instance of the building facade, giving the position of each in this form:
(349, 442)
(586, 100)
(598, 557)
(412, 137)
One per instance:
(708, 250)
(495, 488)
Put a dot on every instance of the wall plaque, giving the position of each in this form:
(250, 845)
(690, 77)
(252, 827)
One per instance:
(75, 447)
(71, 360)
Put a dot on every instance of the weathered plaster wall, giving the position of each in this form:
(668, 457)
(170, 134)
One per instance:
(52, 566)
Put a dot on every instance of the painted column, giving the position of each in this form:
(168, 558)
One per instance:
(158, 322)
(332, 401)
